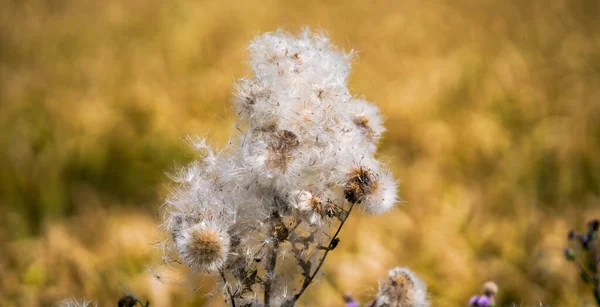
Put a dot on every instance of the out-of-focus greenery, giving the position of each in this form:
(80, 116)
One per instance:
(493, 117)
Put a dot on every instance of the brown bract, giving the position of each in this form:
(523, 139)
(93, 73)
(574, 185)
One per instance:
(362, 183)
(322, 208)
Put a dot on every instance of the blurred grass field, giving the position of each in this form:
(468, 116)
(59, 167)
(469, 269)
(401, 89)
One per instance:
(493, 117)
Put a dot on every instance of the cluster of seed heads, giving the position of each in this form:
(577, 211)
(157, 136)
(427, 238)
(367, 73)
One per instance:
(270, 200)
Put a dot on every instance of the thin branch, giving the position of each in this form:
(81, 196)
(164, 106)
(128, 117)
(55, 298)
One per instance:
(595, 257)
(332, 245)
(584, 272)
(270, 273)
(228, 289)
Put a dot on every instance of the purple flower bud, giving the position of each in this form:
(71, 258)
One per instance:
(572, 234)
(480, 301)
(584, 238)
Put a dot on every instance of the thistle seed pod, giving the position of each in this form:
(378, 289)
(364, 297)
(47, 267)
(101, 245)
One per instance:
(402, 288)
(204, 247)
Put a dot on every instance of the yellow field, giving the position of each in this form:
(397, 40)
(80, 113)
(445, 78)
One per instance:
(493, 117)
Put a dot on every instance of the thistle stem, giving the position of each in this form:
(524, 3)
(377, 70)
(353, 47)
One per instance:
(270, 273)
(308, 280)
(228, 289)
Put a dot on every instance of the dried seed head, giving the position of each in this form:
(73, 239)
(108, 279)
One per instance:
(402, 288)
(313, 206)
(361, 183)
(366, 118)
(371, 187)
(316, 205)
(490, 288)
(204, 247)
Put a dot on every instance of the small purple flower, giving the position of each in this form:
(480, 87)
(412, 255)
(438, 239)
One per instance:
(480, 301)
(350, 302)
(585, 241)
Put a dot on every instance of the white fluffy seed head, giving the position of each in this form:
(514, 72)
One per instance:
(370, 186)
(384, 197)
(490, 288)
(203, 247)
(299, 89)
(402, 288)
(366, 119)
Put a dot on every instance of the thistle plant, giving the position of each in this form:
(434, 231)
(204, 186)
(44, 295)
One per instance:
(588, 261)
(264, 212)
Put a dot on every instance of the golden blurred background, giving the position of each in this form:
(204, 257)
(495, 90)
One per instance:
(493, 117)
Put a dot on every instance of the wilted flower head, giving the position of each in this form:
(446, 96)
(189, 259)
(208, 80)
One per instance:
(402, 288)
